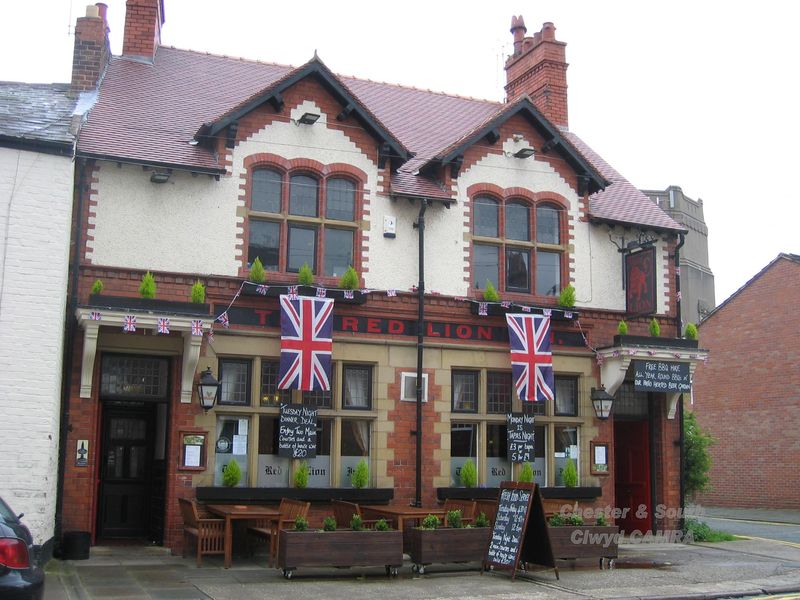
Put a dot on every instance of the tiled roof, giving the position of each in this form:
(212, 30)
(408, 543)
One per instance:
(149, 113)
(36, 112)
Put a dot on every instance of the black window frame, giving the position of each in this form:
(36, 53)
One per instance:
(475, 377)
(355, 367)
(248, 363)
(573, 381)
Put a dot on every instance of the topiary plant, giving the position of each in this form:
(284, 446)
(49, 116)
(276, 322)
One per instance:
(147, 289)
(97, 286)
(382, 525)
(526, 473)
(482, 520)
(360, 476)
(557, 520)
(349, 280)
(490, 293)
(570, 474)
(356, 523)
(655, 328)
(329, 524)
(257, 272)
(198, 293)
(469, 474)
(567, 297)
(231, 474)
(430, 522)
(301, 475)
(622, 328)
(454, 519)
(573, 519)
(300, 524)
(305, 276)
(690, 333)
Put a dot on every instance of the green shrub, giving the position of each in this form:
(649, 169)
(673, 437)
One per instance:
(360, 476)
(566, 298)
(329, 524)
(300, 524)
(690, 333)
(349, 280)
(305, 276)
(622, 328)
(573, 519)
(526, 473)
(231, 474)
(356, 523)
(601, 520)
(301, 475)
(557, 520)
(469, 474)
(430, 522)
(482, 520)
(257, 272)
(655, 328)
(697, 460)
(97, 286)
(454, 519)
(147, 289)
(198, 293)
(570, 474)
(701, 532)
(382, 525)
(490, 293)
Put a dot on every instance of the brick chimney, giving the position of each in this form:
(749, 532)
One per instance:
(143, 21)
(538, 68)
(91, 52)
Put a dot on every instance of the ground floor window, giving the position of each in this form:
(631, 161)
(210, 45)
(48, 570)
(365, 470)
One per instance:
(231, 444)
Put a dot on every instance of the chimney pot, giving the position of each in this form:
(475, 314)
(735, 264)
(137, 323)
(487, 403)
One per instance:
(102, 10)
(92, 12)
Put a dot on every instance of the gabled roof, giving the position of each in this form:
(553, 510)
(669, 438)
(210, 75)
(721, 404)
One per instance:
(795, 258)
(36, 116)
(338, 89)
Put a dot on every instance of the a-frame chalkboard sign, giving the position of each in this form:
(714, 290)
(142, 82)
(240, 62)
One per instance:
(519, 534)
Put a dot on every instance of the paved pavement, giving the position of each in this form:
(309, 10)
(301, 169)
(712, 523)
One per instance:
(742, 568)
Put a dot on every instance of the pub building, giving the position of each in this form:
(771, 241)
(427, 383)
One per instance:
(428, 196)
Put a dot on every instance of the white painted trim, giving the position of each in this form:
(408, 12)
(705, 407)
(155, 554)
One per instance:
(409, 375)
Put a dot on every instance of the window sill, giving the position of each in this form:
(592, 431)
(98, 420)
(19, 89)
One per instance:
(576, 493)
(253, 494)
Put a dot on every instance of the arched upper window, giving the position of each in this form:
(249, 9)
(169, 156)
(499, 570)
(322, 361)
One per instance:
(514, 261)
(266, 191)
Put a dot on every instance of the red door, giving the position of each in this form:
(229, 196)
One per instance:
(632, 475)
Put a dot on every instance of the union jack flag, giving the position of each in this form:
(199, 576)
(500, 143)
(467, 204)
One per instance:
(321, 292)
(197, 327)
(163, 325)
(483, 308)
(348, 294)
(95, 315)
(211, 336)
(306, 343)
(223, 318)
(531, 359)
(391, 293)
(129, 324)
(262, 289)
(292, 291)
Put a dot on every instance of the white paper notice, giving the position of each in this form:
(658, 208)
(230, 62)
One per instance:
(192, 456)
(243, 427)
(599, 455)
(240, 444)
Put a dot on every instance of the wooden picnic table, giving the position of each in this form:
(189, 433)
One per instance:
(239, 512)
(399, 514)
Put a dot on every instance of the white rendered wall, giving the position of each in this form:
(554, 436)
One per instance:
(35, 215)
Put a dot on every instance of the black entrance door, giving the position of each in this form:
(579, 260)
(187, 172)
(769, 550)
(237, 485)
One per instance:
(126, 471)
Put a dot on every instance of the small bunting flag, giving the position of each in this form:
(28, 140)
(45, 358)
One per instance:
(567, 314)
(129, 324)
(163, 325)
(505, 304)
(348, 294)
(94, 315)
(210, 336)
(292, 292)
(224, 320)
(483, 308)
(262, 289)
(197, 327)
(547, 312)
(321, 292)
(391, 293)
(526, 309)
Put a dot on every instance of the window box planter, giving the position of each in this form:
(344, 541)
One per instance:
(571, 542)
(565, 493)
(497, 309)
(152, 305)
(658, 342)
(447, 545)
(273, 291)
(340, 548)
(254, 495)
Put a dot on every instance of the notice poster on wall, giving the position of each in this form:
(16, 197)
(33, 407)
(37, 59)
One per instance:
(297, 435)
(520, 437)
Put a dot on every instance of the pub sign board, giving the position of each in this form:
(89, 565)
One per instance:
(640, 282)
(297, 433)
(661, 376)
(520, 434)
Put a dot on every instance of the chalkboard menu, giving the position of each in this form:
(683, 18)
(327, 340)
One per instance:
(509, 526)
(297, 433)
(661, 376)
(520, 437)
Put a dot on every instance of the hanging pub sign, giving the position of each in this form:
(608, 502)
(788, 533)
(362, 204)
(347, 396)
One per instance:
(661, 376)
(297, 433)
(640, 282)
(519, 428)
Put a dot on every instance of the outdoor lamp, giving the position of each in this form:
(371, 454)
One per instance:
(308, 118)
(208, 389)
(524, 152)
(602, 402)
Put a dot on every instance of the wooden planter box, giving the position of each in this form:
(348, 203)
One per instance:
(447, 545)
(593, 542)
(662, 342)
(153, 305)
(275, 290)
(340, 548)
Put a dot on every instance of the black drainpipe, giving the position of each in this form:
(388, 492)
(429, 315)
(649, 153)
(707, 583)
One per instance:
(681, 440)
(69, 341)
(420, 224)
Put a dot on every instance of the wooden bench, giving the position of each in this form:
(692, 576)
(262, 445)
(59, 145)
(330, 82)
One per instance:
(209, 533)
(343, 512)
(269, 528)
(467, 508)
